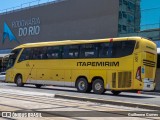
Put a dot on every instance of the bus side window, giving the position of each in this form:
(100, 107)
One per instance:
(42, 52)
(88, 51)
(71, 51)
(53, 52)
(49, 56)
(122, 48)
(104, 50)
(117, 49)
(25, 54)
(34, 54)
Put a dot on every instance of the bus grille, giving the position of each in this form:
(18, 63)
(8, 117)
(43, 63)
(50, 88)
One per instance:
(149, 63)
(113, 80)
(124, 79)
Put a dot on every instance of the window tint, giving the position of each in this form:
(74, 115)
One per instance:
(25, 54)
(15, 53)
(54, 52)
(122, 48)
(104, 50)
(114, 49)
(13, 57)
(38, 53)
(88, 51)
(71, 51)
(33, 53)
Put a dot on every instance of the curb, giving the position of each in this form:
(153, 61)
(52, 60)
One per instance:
(151, 93)
(112, 102)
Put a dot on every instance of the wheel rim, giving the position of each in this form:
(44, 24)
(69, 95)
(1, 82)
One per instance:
(98, 86)
(19, 80)
(81, 85)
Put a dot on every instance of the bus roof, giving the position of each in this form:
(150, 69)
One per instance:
(66, 42)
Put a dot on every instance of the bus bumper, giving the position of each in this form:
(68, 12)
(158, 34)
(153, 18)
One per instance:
(149, 85)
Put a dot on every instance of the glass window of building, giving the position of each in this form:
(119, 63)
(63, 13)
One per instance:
(124, 28)
(124, 14)
(119, 28)
(125, 2)
(120, 15)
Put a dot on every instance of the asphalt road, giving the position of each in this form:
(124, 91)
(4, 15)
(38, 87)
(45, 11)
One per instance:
(28, 100)
(124, 96)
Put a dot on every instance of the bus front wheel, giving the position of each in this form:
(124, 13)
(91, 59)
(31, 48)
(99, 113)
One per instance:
(98, 86)
(82, 85)
(116, 92)
(19, 81)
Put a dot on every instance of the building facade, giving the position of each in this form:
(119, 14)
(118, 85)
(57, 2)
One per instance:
(67, 19)
(129, 16)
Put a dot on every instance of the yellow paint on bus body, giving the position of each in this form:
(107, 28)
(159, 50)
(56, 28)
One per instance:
(119, 74)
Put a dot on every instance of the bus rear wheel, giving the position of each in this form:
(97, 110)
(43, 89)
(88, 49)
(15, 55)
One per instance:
(38, 85)
(116, 92)
(98, 86)
(82, 85)
(19, 81)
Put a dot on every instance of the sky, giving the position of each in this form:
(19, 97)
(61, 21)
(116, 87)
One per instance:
(5, 4)
(148, 15)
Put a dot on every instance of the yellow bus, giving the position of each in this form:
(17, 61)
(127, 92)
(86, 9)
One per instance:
(117, 64)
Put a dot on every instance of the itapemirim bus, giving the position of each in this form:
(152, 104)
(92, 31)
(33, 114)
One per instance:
(117, 64)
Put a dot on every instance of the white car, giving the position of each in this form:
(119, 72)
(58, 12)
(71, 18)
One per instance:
(2, 76)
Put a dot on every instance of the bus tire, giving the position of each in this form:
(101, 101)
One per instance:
(19, 81)
(82, 85)
(116, 92)
(98, 86)
(38, 85)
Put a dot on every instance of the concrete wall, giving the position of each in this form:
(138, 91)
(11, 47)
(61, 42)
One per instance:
(70, 19)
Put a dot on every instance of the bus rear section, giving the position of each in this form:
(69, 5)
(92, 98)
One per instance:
(148, 70)
(145, 67)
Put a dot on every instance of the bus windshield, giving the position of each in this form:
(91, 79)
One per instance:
(12, 58)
